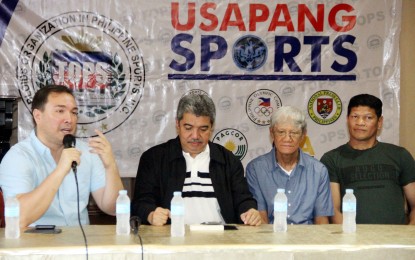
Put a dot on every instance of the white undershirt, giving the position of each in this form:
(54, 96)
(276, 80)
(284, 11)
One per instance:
(201, 204)
(286, 171)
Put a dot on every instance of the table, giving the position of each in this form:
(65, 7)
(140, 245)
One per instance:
(300, 242)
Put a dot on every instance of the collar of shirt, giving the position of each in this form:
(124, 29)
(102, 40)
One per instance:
(40, 147)
(275, 164)
(201, 155)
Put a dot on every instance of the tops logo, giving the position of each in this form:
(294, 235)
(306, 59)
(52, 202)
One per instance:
(95, 57)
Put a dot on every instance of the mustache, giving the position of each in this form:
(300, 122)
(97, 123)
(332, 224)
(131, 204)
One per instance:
(195, 141)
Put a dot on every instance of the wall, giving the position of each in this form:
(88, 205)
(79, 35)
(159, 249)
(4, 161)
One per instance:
(407, 42)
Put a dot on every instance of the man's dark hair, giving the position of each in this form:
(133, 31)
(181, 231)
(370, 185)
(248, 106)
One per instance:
(366, 100)
(41, 96)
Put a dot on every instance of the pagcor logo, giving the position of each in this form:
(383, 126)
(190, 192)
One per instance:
(233, 140)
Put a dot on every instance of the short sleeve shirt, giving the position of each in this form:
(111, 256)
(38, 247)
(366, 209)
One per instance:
(28, 163)
(377, 176)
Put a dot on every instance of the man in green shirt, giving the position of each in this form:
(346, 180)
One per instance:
(382, 175)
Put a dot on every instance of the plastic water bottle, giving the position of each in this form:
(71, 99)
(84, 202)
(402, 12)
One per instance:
(12, 217)
(349, 212)
(280, 211)
(123, 213)
(177, 215)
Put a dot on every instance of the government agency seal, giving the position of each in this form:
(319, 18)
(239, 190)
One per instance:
(324, 107)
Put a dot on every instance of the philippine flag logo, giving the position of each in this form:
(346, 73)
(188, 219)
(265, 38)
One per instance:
(265, 102)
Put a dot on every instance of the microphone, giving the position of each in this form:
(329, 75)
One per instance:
(69, 141)
(135, 222)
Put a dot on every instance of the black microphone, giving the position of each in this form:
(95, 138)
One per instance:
(135, 222)
(69, 141)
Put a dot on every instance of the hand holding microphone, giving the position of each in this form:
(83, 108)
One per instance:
(69, 141)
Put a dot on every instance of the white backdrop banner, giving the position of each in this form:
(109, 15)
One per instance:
(129, 63)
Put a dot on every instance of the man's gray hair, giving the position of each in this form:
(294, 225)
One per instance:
(197, 104)
(289, 114)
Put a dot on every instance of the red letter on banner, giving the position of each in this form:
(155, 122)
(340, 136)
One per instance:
(254, 18)
(281, 8)
(209, 16)
(190, 17)
(318, 23)
(351, 20)
(233, 8)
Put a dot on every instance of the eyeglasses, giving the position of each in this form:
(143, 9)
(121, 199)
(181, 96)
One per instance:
(291, 134)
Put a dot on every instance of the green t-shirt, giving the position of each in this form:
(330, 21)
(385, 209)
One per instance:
(377, 176)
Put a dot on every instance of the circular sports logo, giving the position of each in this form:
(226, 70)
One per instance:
(249, 53)
(95, 57)
(324, 107)
(233, 140)
(374, 41)
(260, 106)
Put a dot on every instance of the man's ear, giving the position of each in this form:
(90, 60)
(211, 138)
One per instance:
(380, 122)
(303, 136)
(380, 126)
(36, 115)
(177, 125)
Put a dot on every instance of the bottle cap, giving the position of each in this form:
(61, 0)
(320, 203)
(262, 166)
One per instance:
(122, 192)
(177, 193)
(281, 190)
(349, 190)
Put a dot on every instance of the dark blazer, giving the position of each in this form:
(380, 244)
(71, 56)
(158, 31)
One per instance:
(162, 171)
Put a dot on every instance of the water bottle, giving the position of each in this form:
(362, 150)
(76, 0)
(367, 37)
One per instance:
(12, 217)
(280, 211)
(177, 215)
(349, 212)
(123, 213)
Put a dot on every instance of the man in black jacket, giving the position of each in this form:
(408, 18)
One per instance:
(210, 177)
